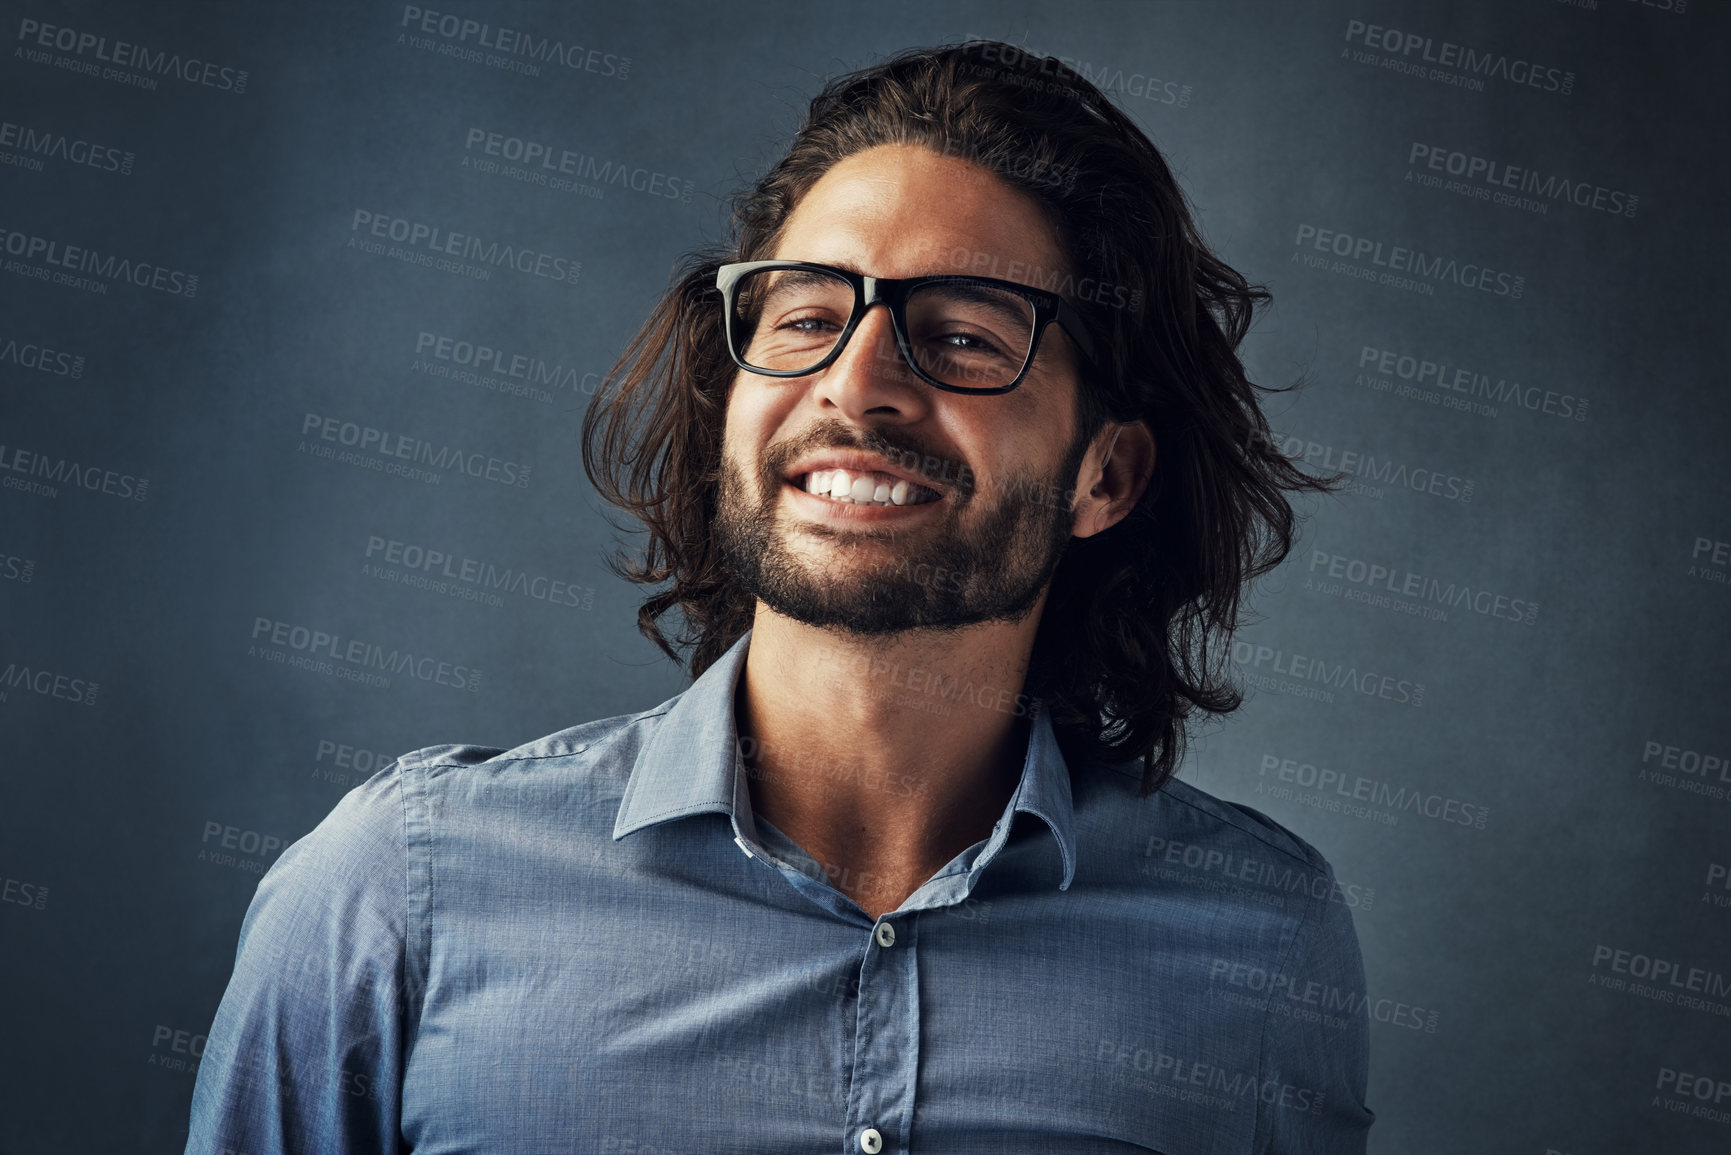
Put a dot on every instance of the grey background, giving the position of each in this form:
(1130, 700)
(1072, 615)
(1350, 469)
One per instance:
(1483, 947)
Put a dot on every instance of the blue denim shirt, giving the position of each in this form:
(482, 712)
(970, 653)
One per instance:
(589, 944)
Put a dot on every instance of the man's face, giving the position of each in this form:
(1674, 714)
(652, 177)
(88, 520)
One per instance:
(998, 471)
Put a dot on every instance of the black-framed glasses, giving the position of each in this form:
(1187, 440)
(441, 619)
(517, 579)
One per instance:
(959, 333)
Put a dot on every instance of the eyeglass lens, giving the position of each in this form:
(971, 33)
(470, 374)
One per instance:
(964, 334)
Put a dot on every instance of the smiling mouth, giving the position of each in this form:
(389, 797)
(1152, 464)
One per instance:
(858, 487)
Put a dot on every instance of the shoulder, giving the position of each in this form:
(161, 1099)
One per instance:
(597, 746)
(1267, 932)
(1183, 841)
(1181, 820)
(1236, 821)
(363, 833)
(363, 876)
(374, 830)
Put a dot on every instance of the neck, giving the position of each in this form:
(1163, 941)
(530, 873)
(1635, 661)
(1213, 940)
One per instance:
(884, 757)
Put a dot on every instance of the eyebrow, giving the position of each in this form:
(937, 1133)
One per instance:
(795, 278)
(848, 266)
(961, 287)
(792, 281)
(991, 298)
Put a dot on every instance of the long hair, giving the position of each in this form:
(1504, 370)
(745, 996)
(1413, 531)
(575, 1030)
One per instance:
(1135, 634)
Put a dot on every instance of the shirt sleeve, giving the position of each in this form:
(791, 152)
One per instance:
(1318, 1050)
(306, 1052)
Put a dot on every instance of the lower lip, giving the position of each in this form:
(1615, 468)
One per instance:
(848, 511)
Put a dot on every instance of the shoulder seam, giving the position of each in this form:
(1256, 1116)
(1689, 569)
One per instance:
(1314, 859)
(1310, 921)
(499, 755)
(417, 901)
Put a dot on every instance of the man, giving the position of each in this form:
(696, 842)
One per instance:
(953, 476)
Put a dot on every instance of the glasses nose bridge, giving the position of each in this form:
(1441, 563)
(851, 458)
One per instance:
(889, 293)
(885, 292)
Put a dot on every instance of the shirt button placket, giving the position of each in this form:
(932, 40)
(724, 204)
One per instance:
(880, 1104)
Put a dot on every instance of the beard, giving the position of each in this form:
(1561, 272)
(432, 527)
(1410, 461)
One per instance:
(983, 564)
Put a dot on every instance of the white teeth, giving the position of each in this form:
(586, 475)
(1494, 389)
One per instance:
(864, 488)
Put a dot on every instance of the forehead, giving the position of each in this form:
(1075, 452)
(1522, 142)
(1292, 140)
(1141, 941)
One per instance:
(903, 210)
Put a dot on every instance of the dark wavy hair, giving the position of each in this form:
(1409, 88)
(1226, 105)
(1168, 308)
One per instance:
(1135, 634)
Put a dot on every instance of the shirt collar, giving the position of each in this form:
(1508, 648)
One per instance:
(690, 765)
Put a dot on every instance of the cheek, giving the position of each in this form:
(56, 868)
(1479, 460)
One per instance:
(748, 421)
(1029, 436)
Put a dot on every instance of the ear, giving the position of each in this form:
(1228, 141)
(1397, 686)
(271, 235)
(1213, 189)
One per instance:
(1115, 471)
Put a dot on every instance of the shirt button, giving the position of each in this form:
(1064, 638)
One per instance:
(870, 1141)
(886, 936)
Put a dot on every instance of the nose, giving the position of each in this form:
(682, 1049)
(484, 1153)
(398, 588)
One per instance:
(869, 378)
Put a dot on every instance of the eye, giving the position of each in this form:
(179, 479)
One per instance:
(971, 342)
(964, 341)
(976, 320)
(814, 323)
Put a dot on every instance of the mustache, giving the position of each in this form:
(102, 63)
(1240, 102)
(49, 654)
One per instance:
(907, 453)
